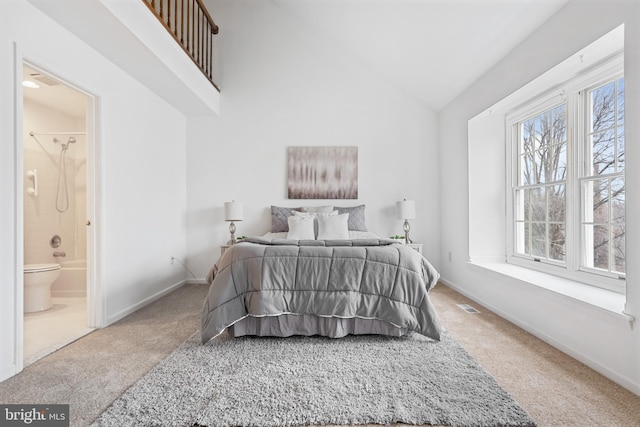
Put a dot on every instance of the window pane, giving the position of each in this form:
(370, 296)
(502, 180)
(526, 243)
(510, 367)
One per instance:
(519, 203)
(557, 239)
(559, 124)
(601, 246)
(558, 163)
(617, 201)
(621, 147)
(543, 125)
(603, 144)
(600, 201)
(603, 107)
(619, 250)
(539, 240)
(621, 100)
(557, 203)
(520, 237)
(528, 135)
(527, 167)
(539, 176)
(538, 204)
(525, 233)
(540, 132)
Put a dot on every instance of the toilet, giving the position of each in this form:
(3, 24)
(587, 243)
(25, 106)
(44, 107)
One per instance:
(38, 279)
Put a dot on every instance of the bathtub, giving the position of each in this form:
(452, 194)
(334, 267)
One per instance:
(72, 281)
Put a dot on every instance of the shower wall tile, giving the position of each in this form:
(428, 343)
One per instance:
(41, 219)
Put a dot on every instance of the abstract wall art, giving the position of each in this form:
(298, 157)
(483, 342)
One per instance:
(322, 173)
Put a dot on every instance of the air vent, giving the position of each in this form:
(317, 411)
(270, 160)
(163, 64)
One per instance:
(45, 79)
(468, 308)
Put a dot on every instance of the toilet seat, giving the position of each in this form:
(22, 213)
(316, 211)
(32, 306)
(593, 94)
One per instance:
(39, 268)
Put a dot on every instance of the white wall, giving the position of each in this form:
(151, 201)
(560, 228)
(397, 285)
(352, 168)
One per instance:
(598, 338)
(142, 141)
(283, 85)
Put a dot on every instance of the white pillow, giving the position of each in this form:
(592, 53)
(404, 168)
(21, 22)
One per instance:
(301, 228)
(333, 227)
(314, 214)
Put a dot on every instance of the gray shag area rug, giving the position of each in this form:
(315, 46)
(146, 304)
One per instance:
(253, 381)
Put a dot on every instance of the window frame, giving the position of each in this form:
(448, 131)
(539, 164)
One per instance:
(573, 94)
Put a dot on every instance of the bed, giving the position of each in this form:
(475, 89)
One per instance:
(318, 279)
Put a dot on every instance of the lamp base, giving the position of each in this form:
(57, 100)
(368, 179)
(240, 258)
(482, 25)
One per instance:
(406, 227)
(232, 231)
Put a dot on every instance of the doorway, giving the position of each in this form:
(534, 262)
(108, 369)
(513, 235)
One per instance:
(58, 175)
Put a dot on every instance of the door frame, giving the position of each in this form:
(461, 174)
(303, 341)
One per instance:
(95, 296)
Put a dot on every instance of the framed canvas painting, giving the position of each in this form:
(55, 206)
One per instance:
(322, 173)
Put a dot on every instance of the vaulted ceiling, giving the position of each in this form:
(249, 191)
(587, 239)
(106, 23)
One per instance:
(431, 49)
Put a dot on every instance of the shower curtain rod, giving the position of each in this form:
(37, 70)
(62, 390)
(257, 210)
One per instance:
(32, 133)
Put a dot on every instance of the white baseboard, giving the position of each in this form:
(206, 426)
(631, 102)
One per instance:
(576, 354)
(8, 372)
(197, 282)
(132, 309)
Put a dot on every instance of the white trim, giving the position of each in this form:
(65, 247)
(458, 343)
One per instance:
(10, 371)
(572, 95)
(137, 306)
(95, 294)
(18, 234)
(567, 349)
(95, 297)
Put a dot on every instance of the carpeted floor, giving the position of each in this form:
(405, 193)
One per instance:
(94, 371)
(272, 382)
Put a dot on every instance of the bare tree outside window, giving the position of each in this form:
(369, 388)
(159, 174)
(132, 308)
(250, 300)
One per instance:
(541, 192)
(604, 182)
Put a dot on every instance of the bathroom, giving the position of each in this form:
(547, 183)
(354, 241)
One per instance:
(55, 217)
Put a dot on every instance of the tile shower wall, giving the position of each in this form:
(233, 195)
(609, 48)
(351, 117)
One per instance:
(41, 219)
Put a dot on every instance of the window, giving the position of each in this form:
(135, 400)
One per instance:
(602, 181)
(567, 193)
(540, 193)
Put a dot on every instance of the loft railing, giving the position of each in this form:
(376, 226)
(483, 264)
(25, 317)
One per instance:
(192, 27)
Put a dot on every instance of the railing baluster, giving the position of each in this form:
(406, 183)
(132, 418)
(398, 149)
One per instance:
(206, 49)
(182, 22)
(191, 27)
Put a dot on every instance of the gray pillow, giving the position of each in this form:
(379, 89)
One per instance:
(356, 217)
(279, 217)
(317, 209)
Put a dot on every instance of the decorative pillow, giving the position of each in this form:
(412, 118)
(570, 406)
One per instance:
(356, 217)
(301, 228)
(314, 214)
(317, 209)
(333, 227)
(279, 217)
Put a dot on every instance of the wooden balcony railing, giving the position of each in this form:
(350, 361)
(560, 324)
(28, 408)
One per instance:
(192, 27)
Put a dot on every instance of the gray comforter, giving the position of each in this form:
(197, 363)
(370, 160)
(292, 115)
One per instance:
(368, 278)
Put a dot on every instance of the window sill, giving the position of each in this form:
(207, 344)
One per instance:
(609, 301)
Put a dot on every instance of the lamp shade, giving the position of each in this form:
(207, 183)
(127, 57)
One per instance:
(406, 209)
(233, 211)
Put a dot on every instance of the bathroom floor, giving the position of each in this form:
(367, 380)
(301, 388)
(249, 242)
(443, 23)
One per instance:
(50, 330)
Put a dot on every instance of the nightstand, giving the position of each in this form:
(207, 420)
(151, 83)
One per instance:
(416, 247)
